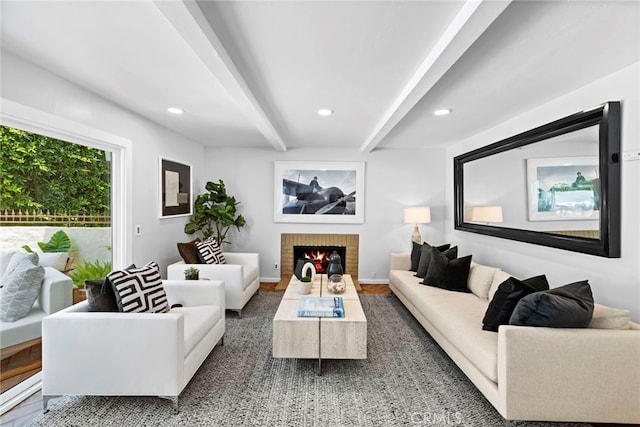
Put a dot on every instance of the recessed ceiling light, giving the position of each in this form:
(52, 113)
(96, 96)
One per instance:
(175, 110)
(325, 112)
(443, 112)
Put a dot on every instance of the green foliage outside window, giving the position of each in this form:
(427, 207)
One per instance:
(42, 173)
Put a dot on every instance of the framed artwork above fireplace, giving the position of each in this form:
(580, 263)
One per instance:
(319, 192)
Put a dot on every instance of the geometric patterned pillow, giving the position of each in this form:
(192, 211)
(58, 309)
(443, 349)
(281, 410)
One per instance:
(21, 287)
(209, 252)
(139, 290)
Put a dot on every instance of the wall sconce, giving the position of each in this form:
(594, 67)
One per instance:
(486, 214)
(417, 215)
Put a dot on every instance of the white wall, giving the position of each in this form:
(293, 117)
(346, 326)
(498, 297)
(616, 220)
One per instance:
(34, 87)
(394, 180)
(614, 282)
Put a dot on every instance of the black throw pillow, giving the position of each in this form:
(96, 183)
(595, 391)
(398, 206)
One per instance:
(96, 299)
(506, 298)
(447, 273)
(568, 306)
(425, 256)
(415, 256)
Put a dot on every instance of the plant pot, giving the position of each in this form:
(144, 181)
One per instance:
(194, 276)
(79, 295)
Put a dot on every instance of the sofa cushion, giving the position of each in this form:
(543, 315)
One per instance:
(188, 251)
(209, 252)
(425, 256)
(198, 321)
(568, 306)
(57, 260)
(97, 300)
(20, 288)
(139, 290)
(506, 298)
(609, 318)
(457, 316)
(480, 279)
(450, 274)
(498, 277)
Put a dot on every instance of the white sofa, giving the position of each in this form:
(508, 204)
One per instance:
(240, 273)
(133, 354)
(529, 373)
(56, 293)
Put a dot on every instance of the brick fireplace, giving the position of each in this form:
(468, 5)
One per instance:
(289, 240)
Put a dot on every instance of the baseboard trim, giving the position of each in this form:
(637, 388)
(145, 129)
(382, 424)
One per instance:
(20, 392)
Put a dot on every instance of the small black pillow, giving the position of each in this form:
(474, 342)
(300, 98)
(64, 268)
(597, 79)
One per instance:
(568, 306)
(447, 273)
(415, 256)
(96, 299)
(506, 298)
(425, 256)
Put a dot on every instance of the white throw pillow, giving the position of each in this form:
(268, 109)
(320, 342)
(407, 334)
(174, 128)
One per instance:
(480, 279)
(609, 318)
(499, 277)
(20, 289)
(57, 260)
(17, 258)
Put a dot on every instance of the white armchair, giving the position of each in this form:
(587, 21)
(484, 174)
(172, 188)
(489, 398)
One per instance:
(241, 276)
(132, 354)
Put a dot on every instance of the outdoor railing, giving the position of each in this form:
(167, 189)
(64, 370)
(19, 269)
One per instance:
(35, 218)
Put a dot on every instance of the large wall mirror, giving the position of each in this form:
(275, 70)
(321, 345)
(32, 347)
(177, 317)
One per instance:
(556, 185)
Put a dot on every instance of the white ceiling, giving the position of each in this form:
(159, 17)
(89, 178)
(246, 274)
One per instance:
(253, 73)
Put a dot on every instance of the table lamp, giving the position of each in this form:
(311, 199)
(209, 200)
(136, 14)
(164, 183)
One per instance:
(486, 214)
(417, 215)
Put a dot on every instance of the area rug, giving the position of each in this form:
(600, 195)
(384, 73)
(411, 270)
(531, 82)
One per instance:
(407, 380)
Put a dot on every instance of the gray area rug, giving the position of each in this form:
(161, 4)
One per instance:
(407, 380)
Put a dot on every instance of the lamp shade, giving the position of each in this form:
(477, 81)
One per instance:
(417, 215)
(486, 214)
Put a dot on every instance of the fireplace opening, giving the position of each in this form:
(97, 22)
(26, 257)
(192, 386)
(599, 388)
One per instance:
(319, 255)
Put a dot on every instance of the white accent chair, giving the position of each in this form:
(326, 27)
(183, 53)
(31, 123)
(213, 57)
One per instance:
(241, 276)
(133, 354)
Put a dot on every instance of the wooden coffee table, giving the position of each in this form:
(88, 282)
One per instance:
(320, 337)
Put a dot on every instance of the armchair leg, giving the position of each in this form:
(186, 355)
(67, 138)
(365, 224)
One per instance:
(174, 400)
(45, 402)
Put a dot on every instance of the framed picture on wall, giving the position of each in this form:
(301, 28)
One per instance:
(319, 192)
(175, 189)
(563, 188)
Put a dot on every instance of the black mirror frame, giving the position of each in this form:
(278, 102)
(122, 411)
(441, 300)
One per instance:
(607, 117)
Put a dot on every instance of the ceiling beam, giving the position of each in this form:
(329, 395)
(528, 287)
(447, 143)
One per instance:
(189, 21)
(472, 20)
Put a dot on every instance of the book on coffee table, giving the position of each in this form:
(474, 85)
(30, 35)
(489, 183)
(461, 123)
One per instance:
(321, 307)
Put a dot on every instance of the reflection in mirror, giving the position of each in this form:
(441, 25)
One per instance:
(556, 185)
(548, 186)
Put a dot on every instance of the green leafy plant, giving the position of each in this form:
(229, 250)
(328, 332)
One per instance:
(215, 213)
(191, 271)
(305, 279)
(59, 242)
(89, 271)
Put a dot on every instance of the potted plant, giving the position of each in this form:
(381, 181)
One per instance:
(306, 284)
(214, 213)
(191, 273)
